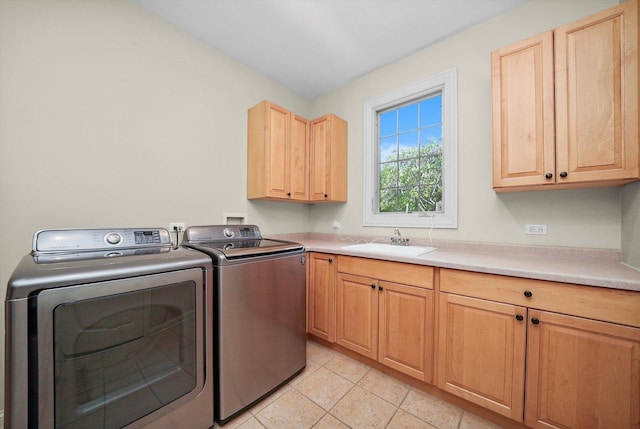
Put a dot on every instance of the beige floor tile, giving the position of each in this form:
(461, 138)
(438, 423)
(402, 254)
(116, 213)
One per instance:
(432, 410)
(319, 354)
(290, 411)
(236, 422)
(360, 409)
(324, 387)
(308, 370)
(252, 423)
(330, 422)
(404, 420)
(269, 399)
(386, 387)
(348, 368)
(471, 421)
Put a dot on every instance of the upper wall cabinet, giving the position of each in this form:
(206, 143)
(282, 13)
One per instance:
(277, 154)
(328, 165)
(290, 160)
(565, 106)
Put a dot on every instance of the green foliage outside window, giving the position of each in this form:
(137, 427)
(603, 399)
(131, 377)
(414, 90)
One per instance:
(411, 179)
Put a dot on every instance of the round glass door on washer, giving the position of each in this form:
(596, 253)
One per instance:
(119, 337)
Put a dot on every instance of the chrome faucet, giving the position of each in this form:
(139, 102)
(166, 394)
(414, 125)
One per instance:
(397, 238)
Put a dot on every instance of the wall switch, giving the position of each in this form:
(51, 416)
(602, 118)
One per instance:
(535, 229)
(179, 225)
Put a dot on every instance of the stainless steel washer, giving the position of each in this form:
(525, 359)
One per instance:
(109, 328)
(260, 307)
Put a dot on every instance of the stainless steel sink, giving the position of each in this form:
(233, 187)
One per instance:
(389, 249)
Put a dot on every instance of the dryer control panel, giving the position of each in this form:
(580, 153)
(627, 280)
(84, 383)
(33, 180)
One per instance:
(85, 240)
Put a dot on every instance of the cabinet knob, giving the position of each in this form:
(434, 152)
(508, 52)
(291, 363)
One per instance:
(564, 174)
(535, 320)
(373, 286)
(326, 196)
(519, 317)
(379, 287)
(548, 175)
(528, 293)
(330, 260)
(288, 194)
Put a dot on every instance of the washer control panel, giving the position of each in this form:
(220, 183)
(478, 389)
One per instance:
(195, 234)
(80, 240)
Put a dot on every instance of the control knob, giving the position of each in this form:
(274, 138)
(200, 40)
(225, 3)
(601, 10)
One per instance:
(113, 238)
(228, 232)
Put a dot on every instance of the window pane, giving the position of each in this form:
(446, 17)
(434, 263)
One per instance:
(388, 175)
(389, 200)
(388, 123)
(388, 149)
(431, 111)
(429, 197)
(408, 174)
(408, 118)
(408, 143)
(431, 135)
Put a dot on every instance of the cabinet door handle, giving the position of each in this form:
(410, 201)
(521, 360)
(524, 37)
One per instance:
(548, 175)
(373, 286)
(528, 293)
(564, 174)
(535, 320)
(519, 317)
(330, 260)
(379, 287)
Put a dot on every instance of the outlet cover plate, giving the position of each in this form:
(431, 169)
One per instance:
(535, 229)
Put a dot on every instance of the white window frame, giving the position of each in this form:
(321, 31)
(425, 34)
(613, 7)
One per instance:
(446, 83)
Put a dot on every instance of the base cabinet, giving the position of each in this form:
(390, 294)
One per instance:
(321, 288)
(384, 320)
(581, 373)
(482, 352)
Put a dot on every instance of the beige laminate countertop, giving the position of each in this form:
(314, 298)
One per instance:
(591, 267)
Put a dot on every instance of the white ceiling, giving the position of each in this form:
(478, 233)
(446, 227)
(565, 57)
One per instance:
(314, 46)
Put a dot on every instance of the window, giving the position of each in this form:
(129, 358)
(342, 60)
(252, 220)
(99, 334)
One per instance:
(410, 155)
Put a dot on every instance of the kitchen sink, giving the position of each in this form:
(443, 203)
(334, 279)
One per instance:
(389, 249)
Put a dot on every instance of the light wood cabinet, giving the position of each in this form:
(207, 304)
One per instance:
(290, 160)
(277, 154)
(481, 352)
(328, 163)
(321, 285)
(384, 320)
(565, 105)
(580, 372)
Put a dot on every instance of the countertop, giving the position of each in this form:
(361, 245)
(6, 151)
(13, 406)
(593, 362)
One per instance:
(590, 267)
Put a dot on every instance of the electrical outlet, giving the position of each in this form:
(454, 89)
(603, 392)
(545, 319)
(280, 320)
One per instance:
(535, 229)
(179, 225)
(335, 225)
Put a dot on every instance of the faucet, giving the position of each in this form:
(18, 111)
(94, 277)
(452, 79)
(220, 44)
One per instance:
(397, 238)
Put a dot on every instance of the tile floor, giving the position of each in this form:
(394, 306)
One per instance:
(335, 391)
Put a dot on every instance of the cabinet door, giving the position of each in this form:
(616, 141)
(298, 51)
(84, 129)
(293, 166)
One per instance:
(277, 152)
(523, 113)
(328, 159)
(299, 158)
(357, 314)
(321, 295)
(406, 329)
(481, 353)
(597, 96)
(582, 373)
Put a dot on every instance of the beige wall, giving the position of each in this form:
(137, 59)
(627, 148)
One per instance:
(111, 117)
(631, 224)
(583, 218)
